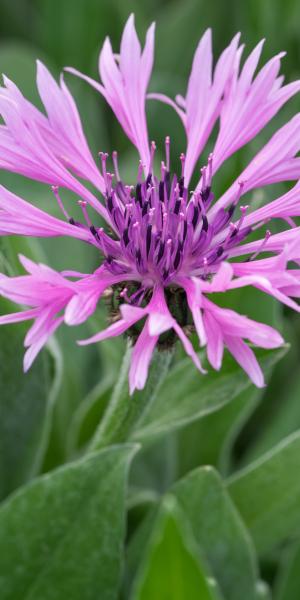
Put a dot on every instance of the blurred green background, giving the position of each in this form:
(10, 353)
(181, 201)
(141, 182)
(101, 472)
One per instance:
(71, 32)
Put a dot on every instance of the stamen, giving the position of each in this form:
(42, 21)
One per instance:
(138, 296)
(162, 229)
(260, 224)
(240, 191)
(94, 232)
(168, 254)
(203, 174)
(116, 165)
(152, 154)
(136, 234)
(231, 233)
(128, 213)
(83, 204)
(181, 226)
(148, 239)
(54, 189)
(163, 171)
(209, 170)
(167, 147)
(102, 242)
(151, 215)
(261, 247)
(243, 210)
(104, 157)
(165, 226)
(109, 178)
(177, 259)
(182, 160)
(140, 172)
(123, 294)
(138, 191)
(128, 189)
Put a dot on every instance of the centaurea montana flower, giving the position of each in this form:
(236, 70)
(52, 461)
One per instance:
(165, 249)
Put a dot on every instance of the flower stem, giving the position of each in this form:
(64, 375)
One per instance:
(124, 412)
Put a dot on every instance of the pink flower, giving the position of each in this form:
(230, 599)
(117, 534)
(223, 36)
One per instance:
(172, 248)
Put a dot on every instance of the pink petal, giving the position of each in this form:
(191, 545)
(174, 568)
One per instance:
(19, 316)
(215, 346)
(33, 351)
(246, 359)
(141, 358)
(80, 307)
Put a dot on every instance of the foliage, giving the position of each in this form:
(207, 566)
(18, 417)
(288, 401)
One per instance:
(107, 496)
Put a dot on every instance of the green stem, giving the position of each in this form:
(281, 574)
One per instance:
(124, 412)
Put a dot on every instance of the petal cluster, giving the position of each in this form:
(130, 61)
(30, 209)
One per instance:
(164, 249)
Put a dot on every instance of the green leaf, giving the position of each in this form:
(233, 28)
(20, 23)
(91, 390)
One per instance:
(170, 567)
(87, 416)
(124, 412)
(219, 532)
(61, 536)
(267, 494)
(26, 403)
(197, 445)
(287, 584)
(186, 395)
(274, 420)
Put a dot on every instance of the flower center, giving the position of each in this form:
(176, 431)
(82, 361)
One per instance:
(163, 228)
(163, 231)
